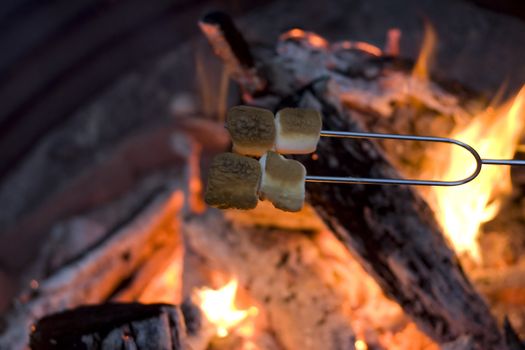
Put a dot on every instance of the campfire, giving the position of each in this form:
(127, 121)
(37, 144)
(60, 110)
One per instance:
(359, 267)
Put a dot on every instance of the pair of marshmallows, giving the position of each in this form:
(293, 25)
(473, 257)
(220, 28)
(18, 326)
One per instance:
(239, 181)
(254, 131)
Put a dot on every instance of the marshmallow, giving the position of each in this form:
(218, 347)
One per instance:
(298, 130)
(233, 181)
(252, 130)
(282, 182)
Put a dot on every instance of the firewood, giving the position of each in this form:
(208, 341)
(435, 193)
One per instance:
(112, 326)
(124, 326)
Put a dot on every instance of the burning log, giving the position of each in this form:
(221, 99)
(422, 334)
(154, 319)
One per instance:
(394, 235)
(112, 326)
(391, 230)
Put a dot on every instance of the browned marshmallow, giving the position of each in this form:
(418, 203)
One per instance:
(233, 181)
(282, 182)
(298, 130)
(252, 130)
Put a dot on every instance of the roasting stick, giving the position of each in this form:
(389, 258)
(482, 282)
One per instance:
(413, 182)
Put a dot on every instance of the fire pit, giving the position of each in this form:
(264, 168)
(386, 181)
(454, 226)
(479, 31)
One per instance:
(135, 259)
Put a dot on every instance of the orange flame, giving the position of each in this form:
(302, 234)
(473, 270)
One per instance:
(219, 308)
(360, 345)
(424, 60)
(461, 210)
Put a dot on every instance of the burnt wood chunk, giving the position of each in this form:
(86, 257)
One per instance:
(111, 326)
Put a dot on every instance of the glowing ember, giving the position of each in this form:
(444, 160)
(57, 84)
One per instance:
(318, 42)
(358, 45)
(461, 210)
(219, 308)
(313, 39)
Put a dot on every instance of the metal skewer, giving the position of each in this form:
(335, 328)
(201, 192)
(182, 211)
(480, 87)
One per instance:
(364, 180)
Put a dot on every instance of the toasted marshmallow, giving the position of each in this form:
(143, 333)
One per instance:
(233, 181)
(298, 130)
(252, 130)
(282, 182)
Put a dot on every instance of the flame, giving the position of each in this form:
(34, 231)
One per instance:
(424, 60)
(219, 308)
(461, 210)
(165, 288)
(360, 345)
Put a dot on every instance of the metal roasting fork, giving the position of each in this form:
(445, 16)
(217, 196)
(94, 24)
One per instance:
(378, 181)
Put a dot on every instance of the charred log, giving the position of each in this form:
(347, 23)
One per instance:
(112, 326)
(395, 236)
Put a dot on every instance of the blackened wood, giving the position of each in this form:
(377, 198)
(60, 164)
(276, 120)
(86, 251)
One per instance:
(111, 326)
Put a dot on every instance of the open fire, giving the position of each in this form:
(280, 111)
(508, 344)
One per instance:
(494, 132)
(294, 285)
(461, 210)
